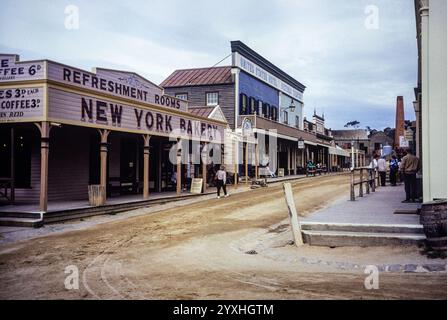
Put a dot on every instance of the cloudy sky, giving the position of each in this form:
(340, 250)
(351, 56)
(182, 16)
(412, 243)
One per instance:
(352, 72)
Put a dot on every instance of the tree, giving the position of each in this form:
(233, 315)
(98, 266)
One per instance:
(371, 131)
(353, 124)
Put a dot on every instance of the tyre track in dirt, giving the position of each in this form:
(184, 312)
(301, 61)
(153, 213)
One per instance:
(144, 256)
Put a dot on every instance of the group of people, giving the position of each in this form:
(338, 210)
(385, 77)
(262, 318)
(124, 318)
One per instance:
(405, 169)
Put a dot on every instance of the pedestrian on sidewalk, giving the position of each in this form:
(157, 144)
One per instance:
(394, 168)
(221, 181)
(381, 167)
(373, 165)
(409, 167)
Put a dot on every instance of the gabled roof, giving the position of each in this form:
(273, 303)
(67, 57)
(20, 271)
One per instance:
(208, 112)
(197, 77)
(201, 111)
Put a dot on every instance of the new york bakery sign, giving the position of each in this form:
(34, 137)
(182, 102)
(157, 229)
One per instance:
(26, 103)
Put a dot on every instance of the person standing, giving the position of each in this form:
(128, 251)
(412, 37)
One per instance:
(394, 168)
(381, 167)
(221, 181)
(373, 165)
(409, 167)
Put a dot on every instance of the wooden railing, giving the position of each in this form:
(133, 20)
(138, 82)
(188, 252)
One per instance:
(371, 181)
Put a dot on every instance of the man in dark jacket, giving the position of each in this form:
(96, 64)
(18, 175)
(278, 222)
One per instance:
(409, 167)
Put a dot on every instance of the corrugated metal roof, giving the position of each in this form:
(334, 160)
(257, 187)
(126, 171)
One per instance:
(201, 111)
(197, 77)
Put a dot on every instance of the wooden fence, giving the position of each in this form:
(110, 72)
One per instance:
(371, 181)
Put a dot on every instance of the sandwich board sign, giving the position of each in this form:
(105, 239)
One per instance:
(196, 186)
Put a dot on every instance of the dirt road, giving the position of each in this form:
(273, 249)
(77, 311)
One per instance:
(194, 252)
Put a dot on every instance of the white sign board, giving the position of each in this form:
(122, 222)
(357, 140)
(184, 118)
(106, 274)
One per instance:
(117, 83)
(258, 72)
(86, 110)
(12, 70)
(21, 104)
(196, 186)
(403, 143)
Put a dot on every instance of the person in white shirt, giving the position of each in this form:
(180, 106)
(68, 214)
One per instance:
(221, 181)
(381, 166)
(373, 165)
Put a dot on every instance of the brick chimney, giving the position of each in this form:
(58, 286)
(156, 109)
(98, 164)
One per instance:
(400, 121)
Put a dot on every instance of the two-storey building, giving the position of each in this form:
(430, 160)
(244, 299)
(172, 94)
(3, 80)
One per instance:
(257, 97)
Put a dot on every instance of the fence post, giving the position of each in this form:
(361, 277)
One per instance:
(373, 178)
(361, 183)
(368, 181)
(378, 178)
(296, 228)
(352, 186)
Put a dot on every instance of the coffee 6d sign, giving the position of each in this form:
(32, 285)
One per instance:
(11, 70)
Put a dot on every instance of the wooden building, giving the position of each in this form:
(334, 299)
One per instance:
(63, 129)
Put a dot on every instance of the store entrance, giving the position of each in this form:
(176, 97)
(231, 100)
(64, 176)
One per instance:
(129, 166)
(168, 169)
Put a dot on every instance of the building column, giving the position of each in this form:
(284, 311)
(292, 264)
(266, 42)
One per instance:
(246, 163)
(146, 139)
(256, 160)
(179, 167)
(236, 162)
(44, 128)
(104, 134)
(425, 108)
(204, 164)
(288, 160)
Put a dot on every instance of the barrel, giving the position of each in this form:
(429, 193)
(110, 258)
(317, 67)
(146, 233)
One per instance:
(434, 220)
(96, 195)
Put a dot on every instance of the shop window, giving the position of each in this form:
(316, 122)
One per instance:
(274, 113)
(22, 156)
(252, 105)
(266, 110)
(182, 96)
(243, 104)
(212, 99)
(259, 108)
(286, 117)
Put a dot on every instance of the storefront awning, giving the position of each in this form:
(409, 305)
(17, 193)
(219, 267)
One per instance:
(339, 152)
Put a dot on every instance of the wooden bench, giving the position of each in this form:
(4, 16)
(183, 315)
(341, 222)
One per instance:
(121, 186)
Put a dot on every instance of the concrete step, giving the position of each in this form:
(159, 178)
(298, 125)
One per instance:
(364, 228)
(360, 239)
(21, 222)
(18, 214)
(414, 211)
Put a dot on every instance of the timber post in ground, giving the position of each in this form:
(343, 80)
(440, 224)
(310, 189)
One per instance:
(295, 224)
(361, 183)
(352, 186)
